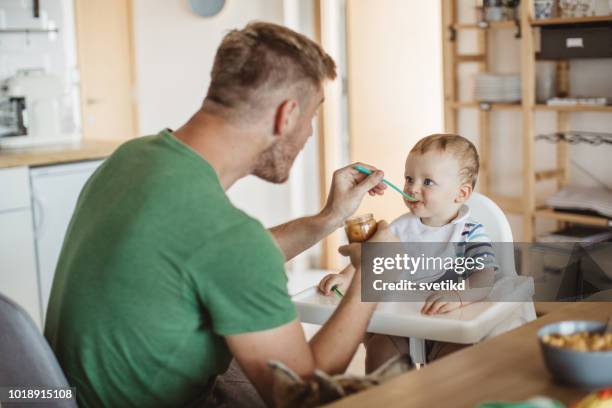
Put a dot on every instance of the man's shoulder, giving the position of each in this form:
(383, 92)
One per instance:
(243, 226)
(243, 236)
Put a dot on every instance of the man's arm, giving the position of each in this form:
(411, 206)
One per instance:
(348, 189)
(298, 235)
(330, 350)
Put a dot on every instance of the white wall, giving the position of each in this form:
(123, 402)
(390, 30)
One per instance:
(587, 77)
(175, 49)
(174, 54)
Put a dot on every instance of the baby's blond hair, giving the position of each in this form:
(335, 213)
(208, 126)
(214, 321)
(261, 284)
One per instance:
(461, 148)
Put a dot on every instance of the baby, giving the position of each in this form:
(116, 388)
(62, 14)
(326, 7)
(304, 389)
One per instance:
(440, 173)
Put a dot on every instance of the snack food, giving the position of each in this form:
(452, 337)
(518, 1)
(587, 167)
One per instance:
(581, 341)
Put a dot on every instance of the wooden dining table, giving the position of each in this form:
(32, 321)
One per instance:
(508, 367)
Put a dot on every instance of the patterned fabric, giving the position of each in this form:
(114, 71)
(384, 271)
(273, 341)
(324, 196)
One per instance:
(477, 244)
(465, 236)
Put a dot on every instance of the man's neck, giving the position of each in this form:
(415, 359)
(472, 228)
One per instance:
(229, 149)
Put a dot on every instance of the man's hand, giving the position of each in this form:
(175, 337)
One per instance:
(348, 188)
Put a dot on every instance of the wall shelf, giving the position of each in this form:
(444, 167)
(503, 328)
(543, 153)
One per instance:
(485, 25)
(575, 20)
(538, 107)
(29, 30)
(486, 106)
(575, 108)
(550, 213)
(470, 57)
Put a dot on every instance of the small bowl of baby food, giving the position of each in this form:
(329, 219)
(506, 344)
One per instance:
(578, 353)
(360, 228)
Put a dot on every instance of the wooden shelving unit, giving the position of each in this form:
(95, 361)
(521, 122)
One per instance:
(577, 108)
(575, 218)
(485, 25)
(576, 20)
(537, 107)
(486, 106)
(526, 27)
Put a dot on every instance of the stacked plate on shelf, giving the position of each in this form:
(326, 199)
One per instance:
(501, 88)
(595, 199)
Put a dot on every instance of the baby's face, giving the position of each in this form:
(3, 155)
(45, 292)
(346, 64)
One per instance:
(433, 179)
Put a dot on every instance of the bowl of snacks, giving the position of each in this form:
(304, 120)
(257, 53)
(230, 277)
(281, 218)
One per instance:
(578, 353)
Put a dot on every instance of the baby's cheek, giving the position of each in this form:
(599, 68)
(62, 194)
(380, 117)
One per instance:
(435, 199)
(430, 197)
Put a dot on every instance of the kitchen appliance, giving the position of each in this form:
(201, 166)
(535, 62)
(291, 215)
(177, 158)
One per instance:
(12, 117)
(30, 111)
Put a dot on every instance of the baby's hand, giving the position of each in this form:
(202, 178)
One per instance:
(331, 280)
(441, 302)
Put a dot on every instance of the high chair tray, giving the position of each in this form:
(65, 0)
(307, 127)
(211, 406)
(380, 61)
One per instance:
(466, 325)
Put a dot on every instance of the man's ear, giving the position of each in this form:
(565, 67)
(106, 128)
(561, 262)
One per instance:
(465, 191)
(286, 118)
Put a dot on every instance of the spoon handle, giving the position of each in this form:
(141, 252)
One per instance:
(387, 182)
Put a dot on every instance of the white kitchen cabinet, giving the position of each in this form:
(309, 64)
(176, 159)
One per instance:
(18, 275)
(14, 188)
(55, 190)
(36, 206)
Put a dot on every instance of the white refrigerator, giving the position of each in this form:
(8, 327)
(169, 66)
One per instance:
(55, 190)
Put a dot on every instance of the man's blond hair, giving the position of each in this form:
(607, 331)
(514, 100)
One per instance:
(264, 57)
(459, 147)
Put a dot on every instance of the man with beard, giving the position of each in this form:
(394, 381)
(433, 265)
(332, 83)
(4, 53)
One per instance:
(161, 280)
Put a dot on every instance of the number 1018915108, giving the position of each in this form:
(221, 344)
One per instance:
(11, 394)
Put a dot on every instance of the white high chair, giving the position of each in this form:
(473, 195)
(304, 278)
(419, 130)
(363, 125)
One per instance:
(496, 224)
(491, 216)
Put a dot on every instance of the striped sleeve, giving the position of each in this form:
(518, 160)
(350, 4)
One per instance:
(478, 244)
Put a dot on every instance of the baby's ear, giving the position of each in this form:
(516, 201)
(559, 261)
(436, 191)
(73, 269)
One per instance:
(465, 191)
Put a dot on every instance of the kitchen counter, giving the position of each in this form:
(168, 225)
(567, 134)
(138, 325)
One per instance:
(507, 367)
(55, 154)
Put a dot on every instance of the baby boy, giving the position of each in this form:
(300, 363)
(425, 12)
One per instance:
(440, 173)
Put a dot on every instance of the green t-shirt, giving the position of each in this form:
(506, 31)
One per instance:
(157, 265)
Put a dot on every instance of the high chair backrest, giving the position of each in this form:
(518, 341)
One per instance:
(486, 212)
(491, 217)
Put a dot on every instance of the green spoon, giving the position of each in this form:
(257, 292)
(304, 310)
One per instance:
(363, 170)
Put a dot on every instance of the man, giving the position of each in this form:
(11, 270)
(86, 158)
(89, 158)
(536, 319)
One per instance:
(162, 280)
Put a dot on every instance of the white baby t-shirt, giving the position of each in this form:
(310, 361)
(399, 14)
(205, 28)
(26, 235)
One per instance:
(462, 237)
